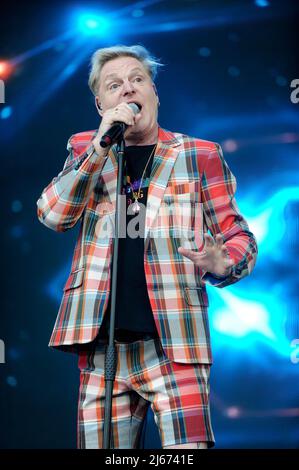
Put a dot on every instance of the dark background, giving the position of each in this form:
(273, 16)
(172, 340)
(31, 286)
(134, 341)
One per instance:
(227, 75)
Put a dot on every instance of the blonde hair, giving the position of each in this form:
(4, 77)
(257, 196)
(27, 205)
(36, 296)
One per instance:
(101, 56)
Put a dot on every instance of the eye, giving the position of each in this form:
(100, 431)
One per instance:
(138, 79)
(113, 86)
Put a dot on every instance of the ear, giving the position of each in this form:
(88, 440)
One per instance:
(98, 106)
(156, 93)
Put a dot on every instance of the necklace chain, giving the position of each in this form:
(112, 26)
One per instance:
(136, 194)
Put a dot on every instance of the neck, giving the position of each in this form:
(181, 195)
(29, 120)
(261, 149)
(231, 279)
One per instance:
(144, 138)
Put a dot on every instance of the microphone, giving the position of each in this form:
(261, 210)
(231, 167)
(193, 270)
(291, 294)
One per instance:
(118, 128)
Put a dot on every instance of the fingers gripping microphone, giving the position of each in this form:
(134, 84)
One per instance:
(118, 128)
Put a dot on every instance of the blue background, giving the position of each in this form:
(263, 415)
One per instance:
(227, 75)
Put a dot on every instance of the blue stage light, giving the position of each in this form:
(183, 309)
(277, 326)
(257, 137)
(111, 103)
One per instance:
(93, 24)
(6, 112)
(262, 3)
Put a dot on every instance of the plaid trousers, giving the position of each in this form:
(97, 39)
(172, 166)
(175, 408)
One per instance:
(177, 393)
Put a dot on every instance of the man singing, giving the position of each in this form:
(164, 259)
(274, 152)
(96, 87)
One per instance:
(176, 188)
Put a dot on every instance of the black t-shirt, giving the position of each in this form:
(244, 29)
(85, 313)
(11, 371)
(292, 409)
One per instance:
(133, 309)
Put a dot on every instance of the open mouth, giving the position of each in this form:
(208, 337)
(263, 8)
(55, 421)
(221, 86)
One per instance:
(137, 103)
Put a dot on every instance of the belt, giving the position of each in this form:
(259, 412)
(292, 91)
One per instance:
(125, 336)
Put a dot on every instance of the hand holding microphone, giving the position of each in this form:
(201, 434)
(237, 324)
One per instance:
(114, 123)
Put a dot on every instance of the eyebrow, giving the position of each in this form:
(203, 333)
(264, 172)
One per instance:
(114, 75)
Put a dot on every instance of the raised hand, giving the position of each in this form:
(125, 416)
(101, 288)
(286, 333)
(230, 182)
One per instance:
(213, 258)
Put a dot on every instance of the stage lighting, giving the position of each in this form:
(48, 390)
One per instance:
(6, 112)
(93, 24)
(5, 69)
(262, 3)
(241, 317)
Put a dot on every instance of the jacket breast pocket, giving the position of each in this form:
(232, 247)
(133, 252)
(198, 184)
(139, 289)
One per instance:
(196, 296)
(181, 190)
(74, 280)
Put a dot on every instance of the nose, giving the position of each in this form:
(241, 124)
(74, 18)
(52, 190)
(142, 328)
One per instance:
(128, 87)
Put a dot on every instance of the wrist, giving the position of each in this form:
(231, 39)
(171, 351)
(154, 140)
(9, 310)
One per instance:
(226, 273)
(101, 151)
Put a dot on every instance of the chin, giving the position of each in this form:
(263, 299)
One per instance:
(136, 130)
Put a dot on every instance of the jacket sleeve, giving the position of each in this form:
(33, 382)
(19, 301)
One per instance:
(62, 202)
(222, 215)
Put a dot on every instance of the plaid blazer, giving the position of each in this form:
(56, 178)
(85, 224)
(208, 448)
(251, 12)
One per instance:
(191, 191)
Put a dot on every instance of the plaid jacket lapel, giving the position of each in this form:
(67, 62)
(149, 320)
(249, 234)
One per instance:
(164, 159)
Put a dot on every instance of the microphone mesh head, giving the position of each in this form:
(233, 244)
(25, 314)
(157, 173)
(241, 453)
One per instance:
(135, 108)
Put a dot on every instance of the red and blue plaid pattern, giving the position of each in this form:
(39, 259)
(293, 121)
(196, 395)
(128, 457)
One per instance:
(178, 394)
(192, 190)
